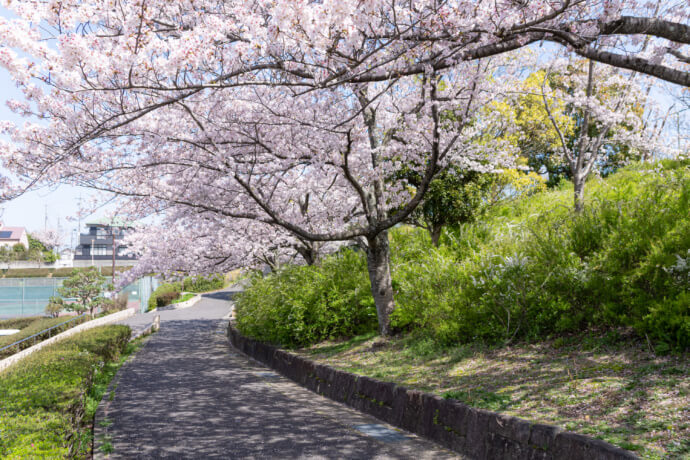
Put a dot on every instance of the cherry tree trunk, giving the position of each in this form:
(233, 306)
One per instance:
(579, 194)
(378, 265)
(435, 233)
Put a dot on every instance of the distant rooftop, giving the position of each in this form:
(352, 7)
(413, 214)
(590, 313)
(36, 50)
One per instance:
(11, 233)
(115, 222)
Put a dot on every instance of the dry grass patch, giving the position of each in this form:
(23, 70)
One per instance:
(608, 386)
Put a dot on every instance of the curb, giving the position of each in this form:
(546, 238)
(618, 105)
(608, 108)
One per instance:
(153, 327)
(179, 306)
(100, 419)
(476, 433)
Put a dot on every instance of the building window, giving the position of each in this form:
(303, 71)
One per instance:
(100, 250)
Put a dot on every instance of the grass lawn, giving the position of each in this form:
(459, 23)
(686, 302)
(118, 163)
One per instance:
(606, 386)
(184, 298)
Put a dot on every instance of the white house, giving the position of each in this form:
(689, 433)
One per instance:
(9, 236)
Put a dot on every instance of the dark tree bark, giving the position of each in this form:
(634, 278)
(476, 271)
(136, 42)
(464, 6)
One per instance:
(378, 265)
(435, 233)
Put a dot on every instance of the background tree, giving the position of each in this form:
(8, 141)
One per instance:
(45, 243)
(35, 255)
(84, 285)
(19, 251)
(55, 306)
(589, 119)
(454, 197)
(7, 256)
(538, 127)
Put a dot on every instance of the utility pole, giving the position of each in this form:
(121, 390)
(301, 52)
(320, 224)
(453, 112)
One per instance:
(79, 215)
(112, 235)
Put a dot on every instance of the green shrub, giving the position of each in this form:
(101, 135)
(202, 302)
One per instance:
(531, 269)
(534, 268)
(164, 295)
(301, 305)
(42, 400)
(203, 284)
(54, 308)
(166, 298)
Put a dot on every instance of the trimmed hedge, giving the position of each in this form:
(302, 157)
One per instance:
(51, 272)
(18, 323)
(34, 327)
(164, 295)
(43, 400)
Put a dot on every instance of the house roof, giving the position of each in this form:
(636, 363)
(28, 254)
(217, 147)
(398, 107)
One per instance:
(11, 233)
(115, 222)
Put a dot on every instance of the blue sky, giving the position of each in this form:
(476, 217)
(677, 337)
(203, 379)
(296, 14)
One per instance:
(30, 210)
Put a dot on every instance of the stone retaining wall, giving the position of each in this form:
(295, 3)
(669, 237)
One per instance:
(476, 433)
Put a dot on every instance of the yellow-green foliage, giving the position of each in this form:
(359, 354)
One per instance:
(530, 269)
(534, 268)
(300, 305)
(43, 398)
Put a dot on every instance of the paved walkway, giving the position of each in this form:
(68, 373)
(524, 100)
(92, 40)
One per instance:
(189, 394)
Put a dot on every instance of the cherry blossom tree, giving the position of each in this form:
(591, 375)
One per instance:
(201, 243)
(246, 109)
(317, 166)
(593, 112)
(50, 238)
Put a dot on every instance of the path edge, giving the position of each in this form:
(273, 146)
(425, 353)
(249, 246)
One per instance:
(476, 433)
(100, 427)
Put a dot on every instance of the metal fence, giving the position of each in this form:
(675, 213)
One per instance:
(36, 336)
(29, 296)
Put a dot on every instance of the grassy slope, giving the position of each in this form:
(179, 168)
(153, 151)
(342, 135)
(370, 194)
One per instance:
(612, 388)
(18, 323)
(45, 402)
(184, 298)
(37, 325)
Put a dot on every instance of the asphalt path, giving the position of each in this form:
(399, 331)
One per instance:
(189, 394)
